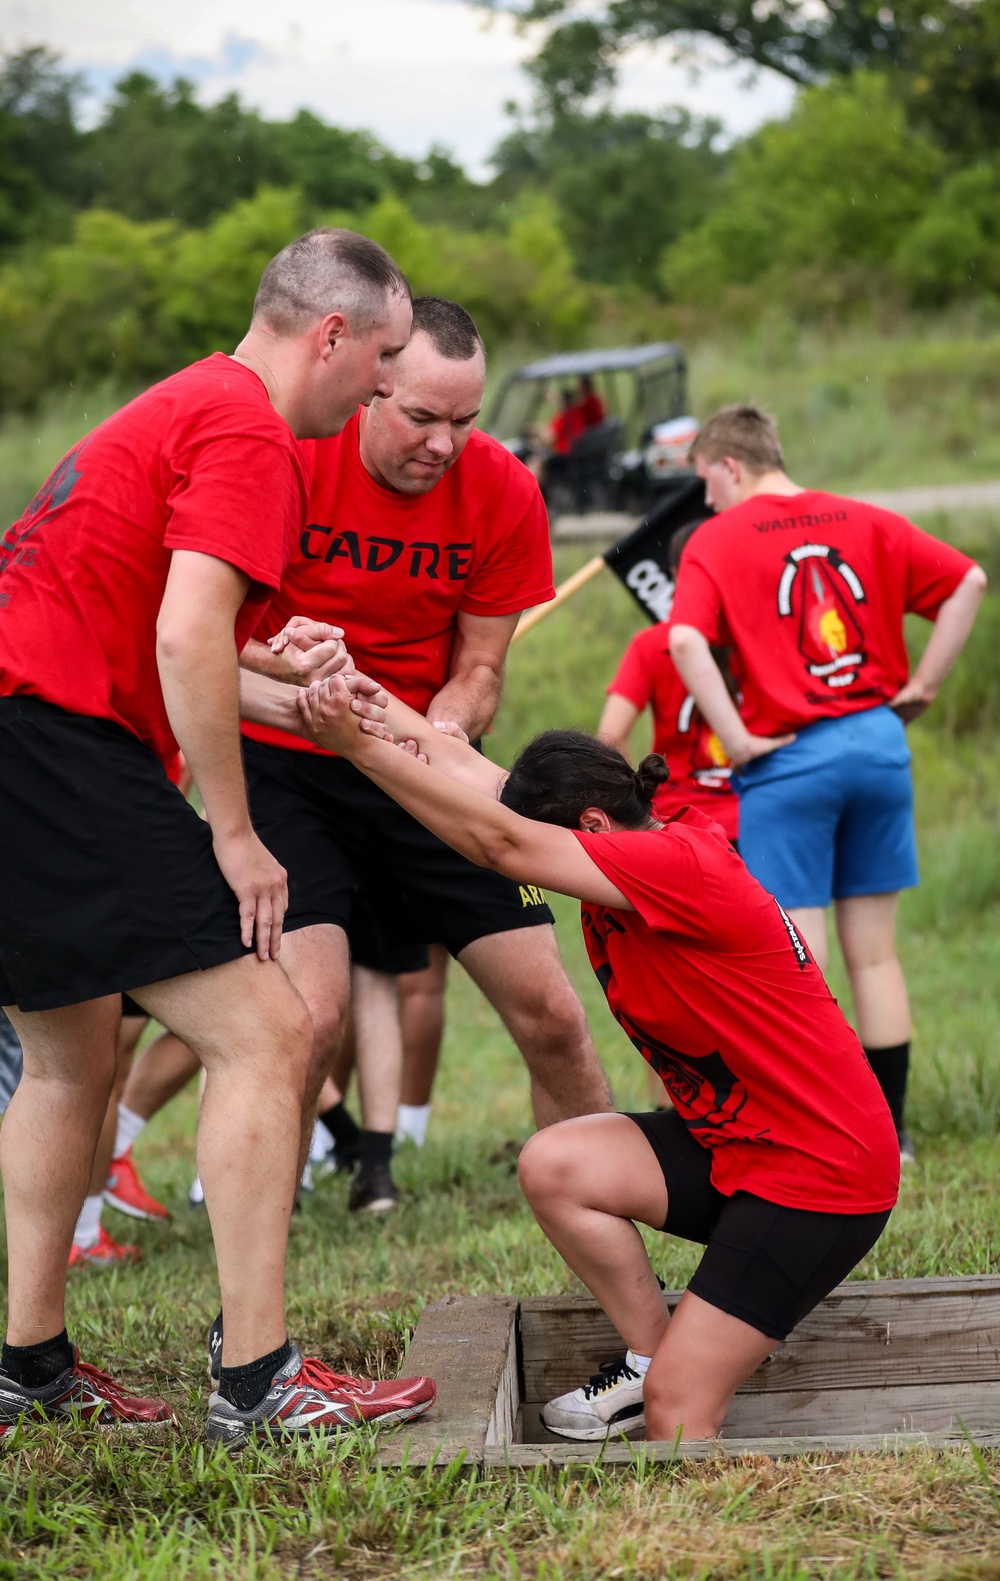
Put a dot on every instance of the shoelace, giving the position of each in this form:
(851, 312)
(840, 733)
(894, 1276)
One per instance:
(104, 1384)
(612, 1372)
(315, 1374)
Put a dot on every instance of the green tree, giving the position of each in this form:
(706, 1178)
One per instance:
(954, 248)
(943, 54)
(832, 188)
(626, 185)
(39, 144)
(159, 154)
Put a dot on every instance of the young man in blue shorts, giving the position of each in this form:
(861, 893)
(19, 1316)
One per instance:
(811, 590)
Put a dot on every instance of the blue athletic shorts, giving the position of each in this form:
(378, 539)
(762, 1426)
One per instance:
(831, 815)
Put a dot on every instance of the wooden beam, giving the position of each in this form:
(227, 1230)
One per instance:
(468, 1345)
(622, 1453)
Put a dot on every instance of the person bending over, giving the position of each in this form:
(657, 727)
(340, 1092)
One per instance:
(426, 539)
(810, 590)
(780, 1154)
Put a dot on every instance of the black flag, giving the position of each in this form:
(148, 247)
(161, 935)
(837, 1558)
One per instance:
(641, 561)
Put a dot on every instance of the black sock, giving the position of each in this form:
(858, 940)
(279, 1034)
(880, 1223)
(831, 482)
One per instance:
(33, 1366)
(246, 1386)
(376, 1151)
(341, 1125)
(891, 1066)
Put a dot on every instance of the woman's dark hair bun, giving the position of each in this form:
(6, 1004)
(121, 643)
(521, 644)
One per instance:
(650, 775)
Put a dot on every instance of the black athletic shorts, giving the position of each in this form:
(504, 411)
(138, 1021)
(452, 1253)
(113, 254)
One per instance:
(765, 1264)
(370, 947)
(337, 833)
(108, 879)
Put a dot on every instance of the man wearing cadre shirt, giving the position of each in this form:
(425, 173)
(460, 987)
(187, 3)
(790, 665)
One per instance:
(425, 540)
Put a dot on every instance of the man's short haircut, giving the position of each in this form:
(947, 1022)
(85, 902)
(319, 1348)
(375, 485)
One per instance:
(449, 328)
(328, 271)
(743, 432)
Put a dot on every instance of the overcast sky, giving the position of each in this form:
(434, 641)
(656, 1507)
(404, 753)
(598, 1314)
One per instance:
(415, 72)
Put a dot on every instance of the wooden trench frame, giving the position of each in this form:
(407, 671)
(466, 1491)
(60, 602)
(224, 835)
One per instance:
(879, 1366)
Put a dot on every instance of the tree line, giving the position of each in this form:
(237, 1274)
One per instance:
(132, 245)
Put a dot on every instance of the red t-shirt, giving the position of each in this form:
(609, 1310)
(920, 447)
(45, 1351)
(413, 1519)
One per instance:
(715, 988)
(395, 570)
(700, 772)
(590, 411)
(202, 462)
(566, 426)
(811, 590)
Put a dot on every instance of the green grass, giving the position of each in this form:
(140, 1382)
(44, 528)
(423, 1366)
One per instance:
(71, 1506)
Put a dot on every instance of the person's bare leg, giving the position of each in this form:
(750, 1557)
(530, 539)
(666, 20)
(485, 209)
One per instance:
(344, 1059)
(379, 1046)
(700, 1363)
(523, 977)
(866, 925)
(587, 1181)
(128, 1037)
(56, 1114)
(318, 964)
(811, 923)
(251, 1031)
(159, 1073)
(421, 1012)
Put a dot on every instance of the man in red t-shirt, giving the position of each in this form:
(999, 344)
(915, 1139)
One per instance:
(425, 540)
(810, 590)
(157, 541)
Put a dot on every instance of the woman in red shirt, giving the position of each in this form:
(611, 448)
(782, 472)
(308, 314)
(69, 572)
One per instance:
(779, 1155)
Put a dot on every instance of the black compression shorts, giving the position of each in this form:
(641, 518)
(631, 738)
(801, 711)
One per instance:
(109, 880)
(336, 833)
(763, 1263)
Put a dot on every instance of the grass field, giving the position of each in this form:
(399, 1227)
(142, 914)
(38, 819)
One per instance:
(73, 1507)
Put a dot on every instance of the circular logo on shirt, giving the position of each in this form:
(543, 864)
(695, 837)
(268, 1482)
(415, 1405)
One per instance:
(822, 592)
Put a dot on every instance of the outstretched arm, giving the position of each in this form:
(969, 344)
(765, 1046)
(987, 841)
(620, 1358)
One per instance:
(473, 823)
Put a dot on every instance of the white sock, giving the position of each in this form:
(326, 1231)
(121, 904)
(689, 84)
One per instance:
(411, 1122)
(88, 1225)
(639, 1364)
(129, 1126)
(196, 1195)
(320, 1144)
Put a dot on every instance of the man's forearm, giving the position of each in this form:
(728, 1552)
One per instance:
(951, 629)
(201, 690)
(470, 699)
(267, 702)
(701, 675)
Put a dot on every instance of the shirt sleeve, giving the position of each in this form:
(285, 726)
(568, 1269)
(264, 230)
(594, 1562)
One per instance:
(514, 569)
(634, 677)
(658, 872)
(241, 499)
(698, 601)
(933, 571)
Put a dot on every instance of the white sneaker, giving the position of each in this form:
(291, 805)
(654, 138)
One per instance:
(611, 1402)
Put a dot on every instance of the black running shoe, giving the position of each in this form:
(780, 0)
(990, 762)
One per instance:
(373, 1191)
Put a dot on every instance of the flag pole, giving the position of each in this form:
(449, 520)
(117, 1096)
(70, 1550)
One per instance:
(565, 590)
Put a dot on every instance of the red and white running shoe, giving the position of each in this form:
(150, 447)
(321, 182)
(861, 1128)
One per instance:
(125, 1191)
(105, 1253)
(83, 1393)
(307, 1397)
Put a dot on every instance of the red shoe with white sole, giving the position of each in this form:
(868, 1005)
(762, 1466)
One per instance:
(307, 1397)
(105, 1253)
(125, 1191)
